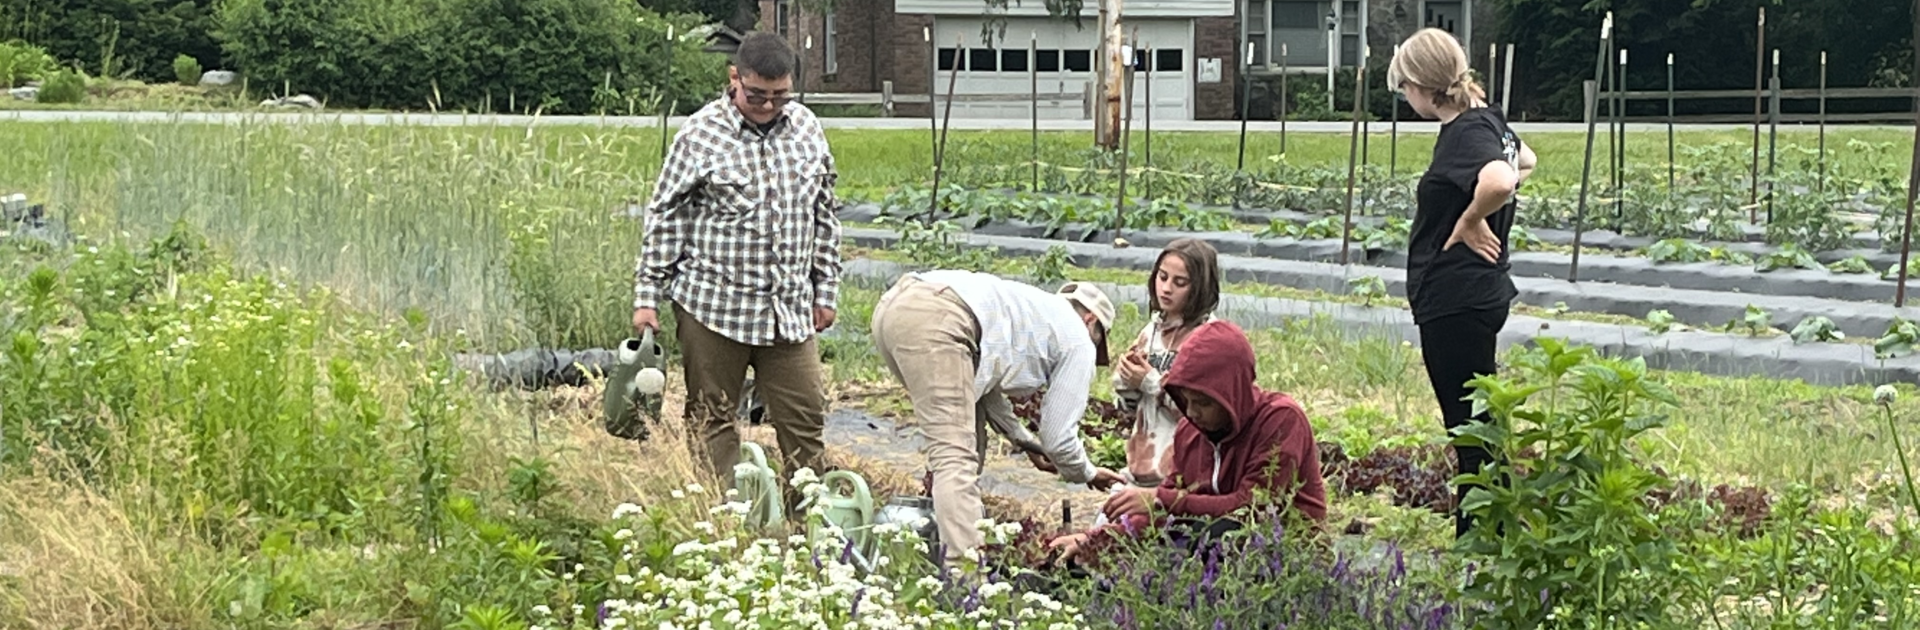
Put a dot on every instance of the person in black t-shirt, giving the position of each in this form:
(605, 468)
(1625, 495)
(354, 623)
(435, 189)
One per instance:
(1457, 269)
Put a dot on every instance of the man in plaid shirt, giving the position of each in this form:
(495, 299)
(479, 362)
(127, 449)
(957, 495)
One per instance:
(742, 237)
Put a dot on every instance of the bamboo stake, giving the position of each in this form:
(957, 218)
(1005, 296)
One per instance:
(946, 124)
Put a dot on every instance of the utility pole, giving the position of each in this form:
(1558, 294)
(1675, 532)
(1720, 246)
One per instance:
(1108, 90)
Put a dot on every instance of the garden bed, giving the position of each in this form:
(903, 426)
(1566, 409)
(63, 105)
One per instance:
(1696, 293)
(1697, 351)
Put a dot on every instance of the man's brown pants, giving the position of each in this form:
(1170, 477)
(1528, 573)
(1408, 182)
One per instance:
(789, 380)
(931, 342)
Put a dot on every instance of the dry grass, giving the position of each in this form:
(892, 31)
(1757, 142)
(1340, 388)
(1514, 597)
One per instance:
(73, 558)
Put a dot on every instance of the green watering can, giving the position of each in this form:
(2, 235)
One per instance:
(634, 386)
(759, 486)
(849, 505)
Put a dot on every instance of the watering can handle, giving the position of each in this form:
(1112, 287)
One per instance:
(754, 453)
(852, 478)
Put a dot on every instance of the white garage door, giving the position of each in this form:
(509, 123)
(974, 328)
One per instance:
(1064, 65)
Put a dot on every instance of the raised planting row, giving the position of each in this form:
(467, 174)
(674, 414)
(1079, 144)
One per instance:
(1692, 350)
(1863, 255)
(1709, 197)
(1699, 293)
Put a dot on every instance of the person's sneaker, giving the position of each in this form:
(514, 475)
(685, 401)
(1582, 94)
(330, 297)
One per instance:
(634, 387)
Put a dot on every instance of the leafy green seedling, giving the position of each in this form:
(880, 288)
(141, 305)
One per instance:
(1368, 288)
(1817, 328)
(1852, 265)
(1899, 340)
(1659, 320)
(1789, 257)
(1757, 320)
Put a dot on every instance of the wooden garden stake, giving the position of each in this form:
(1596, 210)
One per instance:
(933, 122)
(1147, 176)
(1506, 87)
(1586, 168)
(1822, 181)
(664, 134)
(1353, 156)
(1246, 97)
(946, 124)
(1126, 133)
(1033, 78)
(1393, 130)
(1773, 129)
(1283, 98)
(1670, 166)
(1618, 108)
(1759, 70)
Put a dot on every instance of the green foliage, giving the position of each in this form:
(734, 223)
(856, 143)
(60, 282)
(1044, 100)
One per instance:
(1788, 257)
(1557, 39)
(1817, 328)
(116, 38)
(935, 246)
(1659, 320)
(1368, 288)
(1563, 519)
(1052, 268)
(1756, 320)
(1899, 341)
(186, 70)
(63, 86)
(21, 62)
(561, 55)
(1855, 264)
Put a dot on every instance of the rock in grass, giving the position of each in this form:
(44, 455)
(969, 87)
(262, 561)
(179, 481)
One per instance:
(217, 78)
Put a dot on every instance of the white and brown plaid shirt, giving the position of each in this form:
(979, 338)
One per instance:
(743, 230)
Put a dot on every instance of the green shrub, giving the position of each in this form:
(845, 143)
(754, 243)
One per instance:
(63, 86)
(473, 54)
(21, 62)
(187, 70)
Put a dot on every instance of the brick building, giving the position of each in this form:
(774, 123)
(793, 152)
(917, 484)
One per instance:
(1197, 48)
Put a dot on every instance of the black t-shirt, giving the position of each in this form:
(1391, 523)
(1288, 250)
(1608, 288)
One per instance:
(1442, 283)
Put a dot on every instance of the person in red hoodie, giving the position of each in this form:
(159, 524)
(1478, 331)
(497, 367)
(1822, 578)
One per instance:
(1233, 438)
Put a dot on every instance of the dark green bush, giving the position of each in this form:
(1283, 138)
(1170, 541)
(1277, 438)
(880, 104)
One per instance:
(469, 54)
(63, 86)
(115, 38)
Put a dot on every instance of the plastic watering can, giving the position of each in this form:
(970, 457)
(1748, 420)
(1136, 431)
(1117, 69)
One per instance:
(759, 487)
(634, 386)
(849, 506)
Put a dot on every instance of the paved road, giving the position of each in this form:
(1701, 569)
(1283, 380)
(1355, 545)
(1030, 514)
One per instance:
(1226, 126)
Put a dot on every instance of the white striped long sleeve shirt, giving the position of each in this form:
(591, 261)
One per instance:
(1032, 338)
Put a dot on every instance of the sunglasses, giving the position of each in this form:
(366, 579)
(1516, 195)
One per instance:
(757, 98)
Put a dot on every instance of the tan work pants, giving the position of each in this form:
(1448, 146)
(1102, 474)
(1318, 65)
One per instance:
(789, 380)
(931, 342)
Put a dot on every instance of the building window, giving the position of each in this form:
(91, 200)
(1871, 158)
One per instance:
(1013, 61)
(782, 16)
(1079, 61)
(946, 57)
(983, 59)
(1301, 28)
(1444, 16)
(1170, 60)
(832, 32)
(1047, 60)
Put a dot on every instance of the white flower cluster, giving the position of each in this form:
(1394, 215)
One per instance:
(720, 580)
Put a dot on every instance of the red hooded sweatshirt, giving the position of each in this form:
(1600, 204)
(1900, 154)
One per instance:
(1269, 443)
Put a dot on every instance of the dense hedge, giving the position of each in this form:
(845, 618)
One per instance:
(116, 38)
(573, 56)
